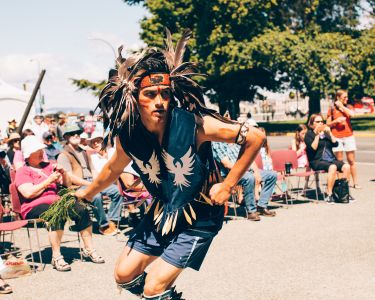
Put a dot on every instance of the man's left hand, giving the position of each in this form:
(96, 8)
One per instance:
(220, 193)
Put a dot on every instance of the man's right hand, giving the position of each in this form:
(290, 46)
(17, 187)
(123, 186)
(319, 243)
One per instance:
(82, 194)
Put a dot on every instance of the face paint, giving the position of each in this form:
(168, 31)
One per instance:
(153, 103)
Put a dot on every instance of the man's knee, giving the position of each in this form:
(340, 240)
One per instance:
(332, 169)
(248, 179)
(270, 176)
(124, 275)
(345, 167)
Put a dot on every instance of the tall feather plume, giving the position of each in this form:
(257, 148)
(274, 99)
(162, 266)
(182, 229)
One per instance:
(185, 89)
(116, 100)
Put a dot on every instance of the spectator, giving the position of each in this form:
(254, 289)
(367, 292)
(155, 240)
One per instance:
(265, 153)
(55, 142)
(81, 122)
(59, 127)
(84, 141)
(51, 151)
(37, 183)
(77, 163)
(99, 156)
(12, 127)
(226, 155)
(39, 127)
(90, 123)
(4, 173)
(338, 118)
(14, 144)
(18, 160)
(298, 145)
(99, 127)
(319, 142)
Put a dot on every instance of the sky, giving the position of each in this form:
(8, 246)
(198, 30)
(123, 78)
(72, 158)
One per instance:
(61, 37)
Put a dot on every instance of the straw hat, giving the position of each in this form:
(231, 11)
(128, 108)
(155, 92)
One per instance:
(13, 136)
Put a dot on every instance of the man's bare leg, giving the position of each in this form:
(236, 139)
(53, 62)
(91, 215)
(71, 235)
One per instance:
(160, 278)
(131, 264)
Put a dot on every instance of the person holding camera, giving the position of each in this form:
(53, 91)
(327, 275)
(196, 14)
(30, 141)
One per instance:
(338, 118)
(319, 142)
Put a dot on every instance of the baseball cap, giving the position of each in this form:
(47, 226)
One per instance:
(47, 135)
(71, 129)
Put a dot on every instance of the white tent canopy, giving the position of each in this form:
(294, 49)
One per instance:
(13, 102)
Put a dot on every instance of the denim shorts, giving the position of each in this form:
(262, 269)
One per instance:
(186, 249)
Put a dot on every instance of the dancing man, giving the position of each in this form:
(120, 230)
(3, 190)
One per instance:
(155, 114)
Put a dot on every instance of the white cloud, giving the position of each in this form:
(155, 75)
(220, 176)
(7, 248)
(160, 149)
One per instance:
(17, 69)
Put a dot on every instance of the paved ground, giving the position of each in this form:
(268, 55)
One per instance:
(309, 251)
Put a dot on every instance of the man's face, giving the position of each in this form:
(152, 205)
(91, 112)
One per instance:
(48, 140)
(153, 103)
(38, 120)
(74, 139)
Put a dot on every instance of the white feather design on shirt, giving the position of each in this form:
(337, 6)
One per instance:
(151, 168)
(178, 169)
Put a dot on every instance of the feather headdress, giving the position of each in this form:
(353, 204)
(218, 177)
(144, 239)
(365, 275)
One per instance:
(118, 98)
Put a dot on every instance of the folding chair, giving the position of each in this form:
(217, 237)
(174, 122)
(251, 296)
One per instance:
(11, 227)
(16, 209)
(129, 198)
(279, 158)
(236, 199)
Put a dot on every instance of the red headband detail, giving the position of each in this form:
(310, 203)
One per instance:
(155, 79)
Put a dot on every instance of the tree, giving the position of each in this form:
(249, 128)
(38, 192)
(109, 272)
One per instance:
(306, 40)
(275, 44)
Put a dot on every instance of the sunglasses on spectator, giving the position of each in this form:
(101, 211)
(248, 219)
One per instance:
(318, 121)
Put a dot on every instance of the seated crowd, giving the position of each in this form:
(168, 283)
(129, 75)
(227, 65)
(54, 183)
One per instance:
(45, 158)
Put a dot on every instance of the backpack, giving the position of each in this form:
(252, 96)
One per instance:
(340, 191)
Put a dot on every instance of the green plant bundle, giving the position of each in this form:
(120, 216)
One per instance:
(62, 210)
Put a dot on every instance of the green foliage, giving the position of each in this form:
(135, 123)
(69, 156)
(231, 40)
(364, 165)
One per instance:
(60, 211)
(84, 84)
(309, 45)
(242, 45)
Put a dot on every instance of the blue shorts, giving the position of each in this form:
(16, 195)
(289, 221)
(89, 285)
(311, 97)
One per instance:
(182, 250)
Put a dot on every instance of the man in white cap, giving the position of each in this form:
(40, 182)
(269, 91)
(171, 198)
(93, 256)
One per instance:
(39, 127)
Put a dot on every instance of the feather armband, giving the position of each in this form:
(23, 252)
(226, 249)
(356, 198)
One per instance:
(242, 133)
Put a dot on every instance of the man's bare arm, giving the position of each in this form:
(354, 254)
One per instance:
(110, 172)
(214, 130)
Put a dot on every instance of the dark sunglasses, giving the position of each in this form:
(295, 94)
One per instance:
(318, 122)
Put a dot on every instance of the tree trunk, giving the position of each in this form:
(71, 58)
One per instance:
(314, 103)
(223, 106)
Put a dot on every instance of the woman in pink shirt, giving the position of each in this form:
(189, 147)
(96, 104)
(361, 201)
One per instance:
(37, 183)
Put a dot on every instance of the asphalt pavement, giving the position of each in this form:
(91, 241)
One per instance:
(308, 251)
